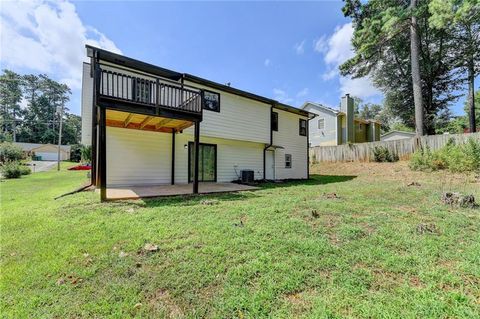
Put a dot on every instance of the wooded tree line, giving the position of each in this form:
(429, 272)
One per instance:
(39, 121)
(422, 54)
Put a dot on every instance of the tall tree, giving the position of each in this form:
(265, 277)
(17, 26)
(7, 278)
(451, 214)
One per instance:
(381, 40)
(10, 98)
(462, 19)
(415, 62)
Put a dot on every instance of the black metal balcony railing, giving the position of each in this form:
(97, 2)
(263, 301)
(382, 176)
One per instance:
(151, 91)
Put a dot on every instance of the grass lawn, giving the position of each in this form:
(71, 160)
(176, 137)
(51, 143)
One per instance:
(287, 250)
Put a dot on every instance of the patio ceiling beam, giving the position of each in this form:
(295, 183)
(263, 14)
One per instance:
(145, 121)
(183, 126)
(128, 120)
(162, 123)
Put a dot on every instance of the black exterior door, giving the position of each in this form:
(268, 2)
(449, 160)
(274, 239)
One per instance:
(207, 162)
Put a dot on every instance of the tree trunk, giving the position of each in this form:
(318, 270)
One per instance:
(415, 62)
(471, 96)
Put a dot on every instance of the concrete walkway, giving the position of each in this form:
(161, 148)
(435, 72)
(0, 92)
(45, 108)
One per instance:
(42, 166)
(135, 192)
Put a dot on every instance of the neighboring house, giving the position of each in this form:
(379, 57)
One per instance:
(333, 127)
(150, 120)
(46, 152)
(396, 135)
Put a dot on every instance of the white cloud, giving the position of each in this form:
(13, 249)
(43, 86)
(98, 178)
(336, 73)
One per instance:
(267, 62)
(303, 92)
(361, 87)
(281, 96)
(48, 37)
(321, 44)
(299, 47)
(337, 49)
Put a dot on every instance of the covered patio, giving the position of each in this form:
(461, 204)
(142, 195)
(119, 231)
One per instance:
(136, 192)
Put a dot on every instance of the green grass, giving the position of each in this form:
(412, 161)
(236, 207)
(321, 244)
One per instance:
(360, 257)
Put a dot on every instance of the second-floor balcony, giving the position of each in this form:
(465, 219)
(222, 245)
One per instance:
(135, 88)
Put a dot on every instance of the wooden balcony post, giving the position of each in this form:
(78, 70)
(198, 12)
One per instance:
(173, 157)
(102, 156)
(197, 149)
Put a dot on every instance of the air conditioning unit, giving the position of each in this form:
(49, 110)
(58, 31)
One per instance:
(247, 176)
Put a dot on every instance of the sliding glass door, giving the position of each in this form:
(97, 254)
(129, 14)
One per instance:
(207, 162)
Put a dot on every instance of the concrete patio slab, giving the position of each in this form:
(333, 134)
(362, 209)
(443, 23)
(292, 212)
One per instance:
(136, 192)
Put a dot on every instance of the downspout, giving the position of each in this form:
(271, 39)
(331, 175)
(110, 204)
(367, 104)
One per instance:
(267, 146)
(308, 147)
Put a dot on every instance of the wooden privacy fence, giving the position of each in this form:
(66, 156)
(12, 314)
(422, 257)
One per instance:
(403, 148)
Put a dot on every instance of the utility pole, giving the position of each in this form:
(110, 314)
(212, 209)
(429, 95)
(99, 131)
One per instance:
(59, 133)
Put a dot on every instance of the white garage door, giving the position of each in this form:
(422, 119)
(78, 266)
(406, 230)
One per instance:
(47, 156)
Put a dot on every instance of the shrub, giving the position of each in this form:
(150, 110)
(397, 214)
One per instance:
(456, 158)
(11, 170)
(76, 153)
(25, 170)
(383, 154)
(10, 152)
(86, 151)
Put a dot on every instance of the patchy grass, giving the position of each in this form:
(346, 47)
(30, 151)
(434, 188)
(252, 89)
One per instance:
(287, 250)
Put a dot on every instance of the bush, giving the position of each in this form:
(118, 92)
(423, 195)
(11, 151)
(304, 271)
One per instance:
(86, 151)
(25, 170)
(382, 154)
(10, 152)
(456, 158)
(11, 170)
(76, 153)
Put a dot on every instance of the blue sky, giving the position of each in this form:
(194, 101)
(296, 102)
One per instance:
(284, 50)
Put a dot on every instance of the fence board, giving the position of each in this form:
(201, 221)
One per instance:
(403, 148)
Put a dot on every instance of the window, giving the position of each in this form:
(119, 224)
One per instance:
(303, 127)
(212, 101)
(274, 121)
(288, 160)
(321, 124)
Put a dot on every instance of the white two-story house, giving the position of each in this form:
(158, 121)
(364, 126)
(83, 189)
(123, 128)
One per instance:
(151, 126)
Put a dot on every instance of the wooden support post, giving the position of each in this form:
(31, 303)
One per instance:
(173, 156)
(102, 156)
(197, 150)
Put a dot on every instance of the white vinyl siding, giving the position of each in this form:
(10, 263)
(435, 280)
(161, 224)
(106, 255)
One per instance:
(293, 143)
(137, 157)
(239, 118)
(231, 155)
(141, 157)
(87, 101)
(327, 135)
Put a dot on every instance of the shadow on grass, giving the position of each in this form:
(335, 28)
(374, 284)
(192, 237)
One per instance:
(215, 198)
(314, 180)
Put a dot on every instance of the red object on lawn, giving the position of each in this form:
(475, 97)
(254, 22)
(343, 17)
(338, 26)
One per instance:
(80, 168)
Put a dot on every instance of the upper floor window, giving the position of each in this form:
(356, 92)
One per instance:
(274, 121)
(302, 129)
(321, 124)
(212, 101)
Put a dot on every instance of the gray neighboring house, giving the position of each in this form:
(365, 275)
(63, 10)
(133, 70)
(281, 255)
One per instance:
(397, 135)
(337, 127)
(46, 152)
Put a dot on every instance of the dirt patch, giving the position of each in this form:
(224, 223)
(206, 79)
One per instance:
(299, 300)
(430, 228)
(161, 301)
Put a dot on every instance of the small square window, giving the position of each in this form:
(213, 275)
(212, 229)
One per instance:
(274, 121)
(288, 160)
(321, 124)
(211, 101)
(302, 130)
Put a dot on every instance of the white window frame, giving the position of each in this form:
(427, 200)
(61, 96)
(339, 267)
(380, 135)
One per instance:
(288, 160)
(318, 123)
